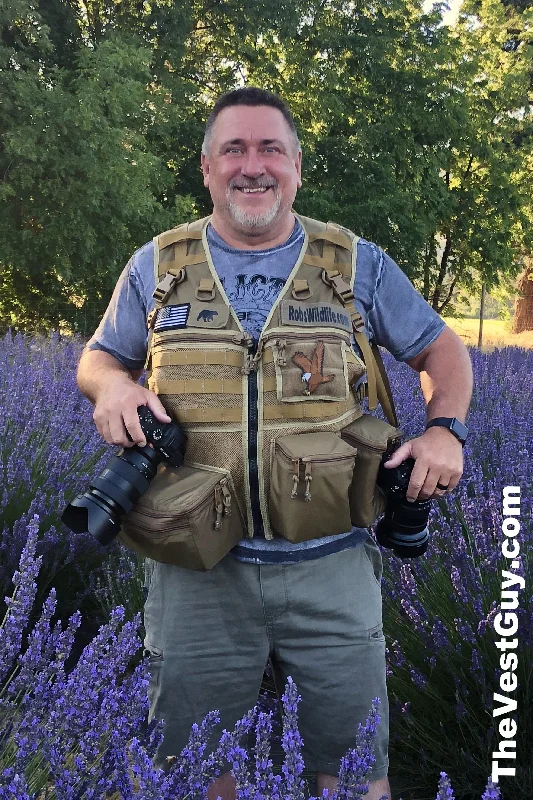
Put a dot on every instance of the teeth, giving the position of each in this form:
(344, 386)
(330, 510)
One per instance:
(252, 191)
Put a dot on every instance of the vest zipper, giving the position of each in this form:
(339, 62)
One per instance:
(253, 474)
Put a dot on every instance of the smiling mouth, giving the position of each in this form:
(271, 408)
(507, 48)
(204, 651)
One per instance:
(258, 190)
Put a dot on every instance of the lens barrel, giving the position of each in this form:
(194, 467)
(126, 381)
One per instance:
(403, 528)
(124, 479)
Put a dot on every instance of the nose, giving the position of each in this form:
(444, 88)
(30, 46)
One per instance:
(252, 165)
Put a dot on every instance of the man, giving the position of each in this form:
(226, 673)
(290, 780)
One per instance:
(314, 607)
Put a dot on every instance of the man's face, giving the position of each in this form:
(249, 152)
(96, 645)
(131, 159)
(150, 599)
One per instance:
(252, 169)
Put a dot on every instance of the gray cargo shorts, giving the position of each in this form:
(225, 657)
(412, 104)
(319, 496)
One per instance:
(210, 634)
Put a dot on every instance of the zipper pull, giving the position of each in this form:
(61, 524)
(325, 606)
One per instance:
(257, 357)
(247, 340)
(219, 508)
(281, 361)
(252, 358)
(226, 497)
(247, 366)
(308, 478)
(295, 477)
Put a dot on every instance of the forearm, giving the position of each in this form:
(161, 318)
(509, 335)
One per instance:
(97, 369)
(445, 377)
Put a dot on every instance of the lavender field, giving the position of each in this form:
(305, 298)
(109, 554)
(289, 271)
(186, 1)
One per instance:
(73, 723)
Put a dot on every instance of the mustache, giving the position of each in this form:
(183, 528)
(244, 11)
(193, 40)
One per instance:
(259, 184)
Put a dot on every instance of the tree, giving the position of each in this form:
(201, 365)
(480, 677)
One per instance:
(523, 315)
(415, 136)
(80, 182)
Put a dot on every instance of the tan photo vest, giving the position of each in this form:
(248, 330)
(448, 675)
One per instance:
(264, 448)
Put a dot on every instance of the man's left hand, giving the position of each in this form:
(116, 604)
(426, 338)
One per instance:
(438, 459)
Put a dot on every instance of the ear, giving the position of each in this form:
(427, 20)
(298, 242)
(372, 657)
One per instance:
(298, 165)
(205, 168)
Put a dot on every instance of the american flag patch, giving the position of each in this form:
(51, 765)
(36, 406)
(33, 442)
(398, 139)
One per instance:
(172, 317)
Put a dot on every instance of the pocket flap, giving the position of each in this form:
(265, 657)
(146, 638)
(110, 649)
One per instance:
(178, 489)
(314, 446)
(370, 431)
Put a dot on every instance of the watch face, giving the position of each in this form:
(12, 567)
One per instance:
(459, 429)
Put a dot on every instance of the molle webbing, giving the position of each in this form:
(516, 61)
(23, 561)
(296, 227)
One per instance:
(200, 366)
(197, 357)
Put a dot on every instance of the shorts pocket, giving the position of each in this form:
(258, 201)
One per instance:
(373, 555)
(188, 517)
(310, 481)
(372, 437)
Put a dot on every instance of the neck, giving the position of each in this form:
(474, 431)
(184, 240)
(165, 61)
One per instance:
(260, 239)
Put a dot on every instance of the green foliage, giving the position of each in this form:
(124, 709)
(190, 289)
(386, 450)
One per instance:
(415, 135)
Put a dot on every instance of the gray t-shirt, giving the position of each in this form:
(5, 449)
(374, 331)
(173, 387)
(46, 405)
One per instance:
(252, 280)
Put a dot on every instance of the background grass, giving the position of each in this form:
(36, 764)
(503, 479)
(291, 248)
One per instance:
(496, 333)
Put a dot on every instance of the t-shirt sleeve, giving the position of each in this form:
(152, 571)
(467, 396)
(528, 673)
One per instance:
(396, 316)
(122, 331)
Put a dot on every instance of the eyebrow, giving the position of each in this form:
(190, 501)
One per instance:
(264, 142)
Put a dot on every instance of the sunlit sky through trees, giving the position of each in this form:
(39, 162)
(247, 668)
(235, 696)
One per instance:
(450, 16)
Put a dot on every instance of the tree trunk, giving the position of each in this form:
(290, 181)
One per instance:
(523, 310)
(481, 315)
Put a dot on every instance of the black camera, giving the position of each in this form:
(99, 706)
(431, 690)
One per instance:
(125, 478)
(403, 528)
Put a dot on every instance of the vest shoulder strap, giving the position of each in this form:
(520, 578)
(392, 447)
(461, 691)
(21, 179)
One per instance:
(188, 230)
(336, 271)
(187, 249)
(331, 247)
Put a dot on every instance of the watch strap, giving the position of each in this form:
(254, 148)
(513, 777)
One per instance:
(454, 425)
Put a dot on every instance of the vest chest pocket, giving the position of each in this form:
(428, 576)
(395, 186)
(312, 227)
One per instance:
(319, 368)
(310, 482)
(188, 517)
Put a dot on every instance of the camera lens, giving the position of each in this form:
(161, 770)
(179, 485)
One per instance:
(113, 493)
(403, 528)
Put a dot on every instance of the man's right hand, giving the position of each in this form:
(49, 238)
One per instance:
(115, 412)
(111, 387)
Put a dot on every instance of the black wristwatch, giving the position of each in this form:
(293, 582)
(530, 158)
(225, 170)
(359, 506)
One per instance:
(459, 430)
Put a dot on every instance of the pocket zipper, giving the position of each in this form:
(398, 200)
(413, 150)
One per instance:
(367, 445)
(281, 343)
(308, 461)
(220, 495)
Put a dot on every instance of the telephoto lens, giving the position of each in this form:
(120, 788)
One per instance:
(403, 528)
(124, 479)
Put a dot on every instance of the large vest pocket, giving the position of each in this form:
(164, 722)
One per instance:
(310, 480)
(188, 517)
(371, 436)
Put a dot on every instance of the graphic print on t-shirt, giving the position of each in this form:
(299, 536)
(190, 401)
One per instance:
(252, 297)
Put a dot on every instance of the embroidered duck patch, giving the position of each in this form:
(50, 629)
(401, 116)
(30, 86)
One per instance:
(312, 374)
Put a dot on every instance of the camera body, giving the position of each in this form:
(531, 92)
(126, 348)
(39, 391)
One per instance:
(124, 479)
(403, 528)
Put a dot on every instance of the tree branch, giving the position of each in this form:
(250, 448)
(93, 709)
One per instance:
(442, 272)
(448, 296)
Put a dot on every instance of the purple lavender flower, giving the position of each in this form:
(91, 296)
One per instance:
(20, 604)
(292, 743)
(458, 581)
(445, 789)
(492, 791)
(357, 763)
(49, 448)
